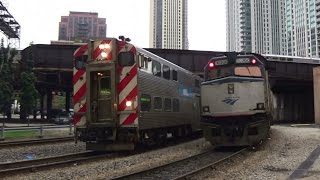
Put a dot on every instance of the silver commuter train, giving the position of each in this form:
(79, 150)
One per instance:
(124, 95)
(236, 100)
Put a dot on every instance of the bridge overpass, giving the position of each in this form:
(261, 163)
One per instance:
(291, 78)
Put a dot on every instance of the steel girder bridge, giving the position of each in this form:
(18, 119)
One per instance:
(9, 26)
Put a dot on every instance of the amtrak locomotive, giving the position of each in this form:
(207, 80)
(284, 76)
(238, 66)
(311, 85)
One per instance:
(236, 100)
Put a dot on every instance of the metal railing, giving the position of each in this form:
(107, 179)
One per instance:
(41, 128)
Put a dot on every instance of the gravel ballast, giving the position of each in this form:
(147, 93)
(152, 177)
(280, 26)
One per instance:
(277, 158)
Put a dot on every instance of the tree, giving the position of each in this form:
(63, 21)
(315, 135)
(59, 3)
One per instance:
(6, 87)
(28, 92)
(6, 90)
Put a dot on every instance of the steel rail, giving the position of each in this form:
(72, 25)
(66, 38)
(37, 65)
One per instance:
(200, 169)
(35, 141)
(42, 163)
(180, 169)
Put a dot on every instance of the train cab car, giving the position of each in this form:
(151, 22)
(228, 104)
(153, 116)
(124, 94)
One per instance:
(125, 95)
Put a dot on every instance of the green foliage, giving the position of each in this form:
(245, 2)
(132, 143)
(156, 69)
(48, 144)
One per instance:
(28, 91)
(6, 87)
(20, 134)
(58, 102)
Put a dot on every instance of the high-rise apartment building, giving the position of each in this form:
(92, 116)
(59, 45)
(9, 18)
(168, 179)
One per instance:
(286, 27)
(82, 26)
(169, 24)
(238, 25)
(318, 27)
(268, 26)
(302, 29)
(256, 26)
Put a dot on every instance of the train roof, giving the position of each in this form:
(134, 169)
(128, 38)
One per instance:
(164, 61)
(280, 58)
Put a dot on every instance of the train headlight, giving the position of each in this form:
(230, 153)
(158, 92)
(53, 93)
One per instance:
(205, 109)
(129, 103)
(104, 46)
(104, 54)
(260, 106)
(211, 65)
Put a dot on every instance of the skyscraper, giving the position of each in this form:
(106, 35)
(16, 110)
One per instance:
(256, 26)
(302, 29)
(238, 25)
(82, 26)
(268, 26)
(169, 24)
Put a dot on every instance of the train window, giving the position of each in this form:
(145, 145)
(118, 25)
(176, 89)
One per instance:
(219, 72)
(225, 72)
(213, 74)
(175, 105)
(145, 102)
(157, 103)
(126, 58)
(105, 86)
(197, 83)
(80, 62)
(174, 75)
(167, 104)
(156, 68)
(253, 71)
(143, 61)
(146, 60)
(166, 72)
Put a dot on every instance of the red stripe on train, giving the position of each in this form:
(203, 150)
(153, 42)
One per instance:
(121, 45)
(81, 51)
(125, 81)
(97, 51)
(79, 94)
(130, 119)
(77, 118)
(131, 95)
(77, 76)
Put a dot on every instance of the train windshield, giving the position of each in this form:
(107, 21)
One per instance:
(225, 71)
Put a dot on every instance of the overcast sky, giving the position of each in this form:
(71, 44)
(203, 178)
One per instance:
(39, 20)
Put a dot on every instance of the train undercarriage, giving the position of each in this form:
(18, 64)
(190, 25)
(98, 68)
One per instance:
(118, 139)
(236, 131)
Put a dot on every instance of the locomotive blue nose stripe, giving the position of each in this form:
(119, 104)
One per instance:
(232, 79)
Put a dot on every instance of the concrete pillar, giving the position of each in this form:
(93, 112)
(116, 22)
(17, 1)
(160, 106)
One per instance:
(67, 103)
(316, 92)
(41, 105)
(49, 104)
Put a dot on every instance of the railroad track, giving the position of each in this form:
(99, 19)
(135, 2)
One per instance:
(185, 167)
(11, 168)
(35, 141)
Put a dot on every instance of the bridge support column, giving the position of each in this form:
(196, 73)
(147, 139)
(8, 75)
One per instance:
(42, 105)
(316, 92)
(49, 104)
(67, 103)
